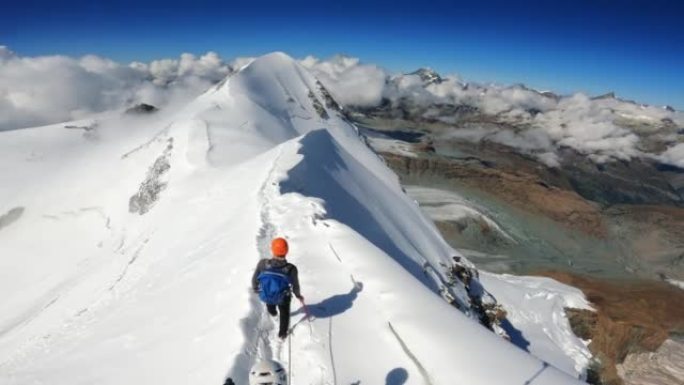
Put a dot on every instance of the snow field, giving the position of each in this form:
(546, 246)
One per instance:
(100, 294)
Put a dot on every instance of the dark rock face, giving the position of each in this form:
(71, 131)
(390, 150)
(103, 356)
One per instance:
(428, 76)
(404, 136)
(329, 100)
(90, 131)
(405, 109)
(141, 109)
(638, 181)
(320, 110)
(487, 310)
(609, 95)
(11, 216)
(150, 189)
(582, 322)
(550, 95)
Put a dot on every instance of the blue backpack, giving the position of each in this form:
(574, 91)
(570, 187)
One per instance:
(273, 286)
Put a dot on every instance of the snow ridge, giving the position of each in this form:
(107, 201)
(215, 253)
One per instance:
(252, 158)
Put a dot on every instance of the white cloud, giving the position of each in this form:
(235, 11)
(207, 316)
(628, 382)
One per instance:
(550, 159)
(349, 81)
(48, 89)
(5, 53)
(588, 126)
(531, 139)
(674, 155)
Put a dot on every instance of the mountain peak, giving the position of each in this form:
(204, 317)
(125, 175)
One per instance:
(273, 98)
(273, 59)
(608, 95)
(428, 75)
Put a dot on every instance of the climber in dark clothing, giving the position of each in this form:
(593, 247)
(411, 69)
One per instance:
(279, 268)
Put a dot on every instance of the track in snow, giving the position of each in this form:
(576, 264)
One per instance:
(260, 328)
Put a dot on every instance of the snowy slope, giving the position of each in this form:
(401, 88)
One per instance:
(536, 307)
(126, 249)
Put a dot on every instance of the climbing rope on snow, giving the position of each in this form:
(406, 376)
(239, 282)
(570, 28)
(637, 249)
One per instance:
(289, 359)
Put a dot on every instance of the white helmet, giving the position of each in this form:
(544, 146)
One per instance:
(267, 372)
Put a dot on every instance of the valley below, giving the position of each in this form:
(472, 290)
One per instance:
(615, 231)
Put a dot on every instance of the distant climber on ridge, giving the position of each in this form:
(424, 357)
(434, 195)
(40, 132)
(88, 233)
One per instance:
(275, 280)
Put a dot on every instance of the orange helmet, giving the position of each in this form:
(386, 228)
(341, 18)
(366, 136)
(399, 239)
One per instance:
(279, 247)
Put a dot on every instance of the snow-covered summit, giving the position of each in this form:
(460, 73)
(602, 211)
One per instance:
(127, 244)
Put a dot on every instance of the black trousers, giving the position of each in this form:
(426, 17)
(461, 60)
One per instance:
(284, 310)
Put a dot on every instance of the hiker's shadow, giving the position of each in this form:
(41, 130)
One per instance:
(336, 304)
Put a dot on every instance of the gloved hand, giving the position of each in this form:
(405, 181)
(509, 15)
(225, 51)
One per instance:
(256, 290)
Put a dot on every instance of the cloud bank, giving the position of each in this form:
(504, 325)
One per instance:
(49, 89)
(348, 80)
(604, 129)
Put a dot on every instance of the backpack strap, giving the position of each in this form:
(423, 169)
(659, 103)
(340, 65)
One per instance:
(287, 268)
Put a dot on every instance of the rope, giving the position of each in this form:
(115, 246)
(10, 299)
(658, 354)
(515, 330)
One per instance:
(289, 360)
(332, 359)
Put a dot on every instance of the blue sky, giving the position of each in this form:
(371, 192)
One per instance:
(635, 48)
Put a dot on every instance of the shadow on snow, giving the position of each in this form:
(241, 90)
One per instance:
(396, 376)
(516, 335)
(334, 305)
(356, 201)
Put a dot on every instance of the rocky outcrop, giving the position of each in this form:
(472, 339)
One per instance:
(665, 366)
(428, 76)
(152, 186)
(320, 110)
(11, 216)
(90, 131)
(482, 304)
(632, 317)
(329, 100)
(141, 109)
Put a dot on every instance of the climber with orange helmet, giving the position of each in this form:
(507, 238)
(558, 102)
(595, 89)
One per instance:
(275, 280)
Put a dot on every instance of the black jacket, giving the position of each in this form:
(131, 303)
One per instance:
(280, 265)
